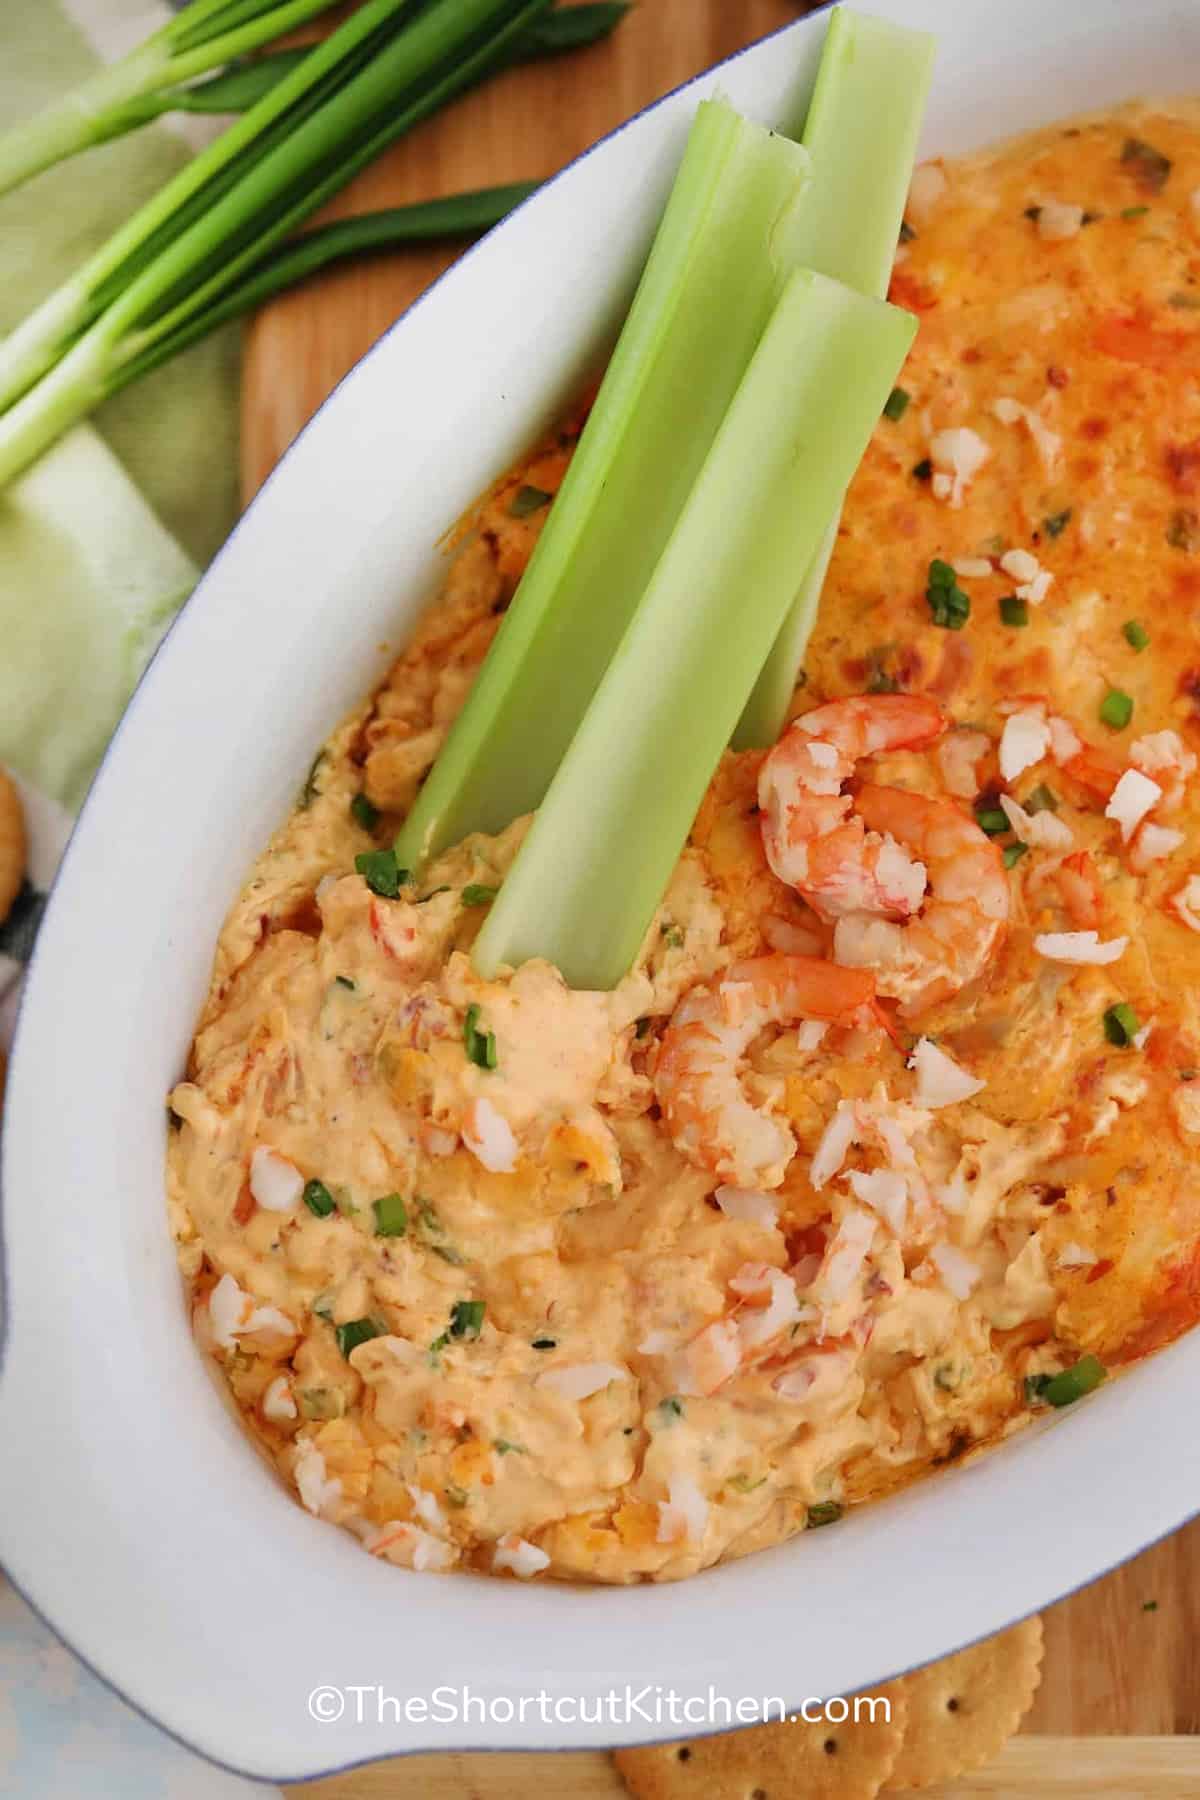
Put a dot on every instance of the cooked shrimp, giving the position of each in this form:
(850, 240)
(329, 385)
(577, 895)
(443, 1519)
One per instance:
(13, 845)
(814, 838)
(696, 1081)
(933, 955)
(1077, 882)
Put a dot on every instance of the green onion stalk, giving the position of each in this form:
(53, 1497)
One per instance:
(206, 35)
(159, 76)
(141, 296)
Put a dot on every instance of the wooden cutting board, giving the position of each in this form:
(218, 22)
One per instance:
(1121, 1657)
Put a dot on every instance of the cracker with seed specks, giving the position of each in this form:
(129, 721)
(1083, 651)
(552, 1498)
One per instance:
(788, 1760)
(961, 1710)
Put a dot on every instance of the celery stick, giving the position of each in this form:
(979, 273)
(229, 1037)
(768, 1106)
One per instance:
(715, 271)
(861, 133)
(599, 854)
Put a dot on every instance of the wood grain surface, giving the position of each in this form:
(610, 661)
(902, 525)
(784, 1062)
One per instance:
(1121, 1656)
(1028, 1768)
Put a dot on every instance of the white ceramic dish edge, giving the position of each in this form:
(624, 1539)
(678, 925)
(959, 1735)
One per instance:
(131, 1512)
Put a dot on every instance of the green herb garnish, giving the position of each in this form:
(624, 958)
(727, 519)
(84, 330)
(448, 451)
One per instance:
(826, 1512)
(381, 872)
(1116, 709)
(344, 981)
(310, 790)
(1136, 635)
(742, 1484)
(528, 500)
(1134, 212)
(1013, 611)
(391, 1216)
(1041, 799)
(356, 1332)
(1121, 1024)
(1012, 853)
(476, 893)
(672, 937)
(466, 1319)
(671, 1407)
(1148, 166)
(1149, 1605)
(950, 606)
(993, 820)
(1073, 1383)
(505, 1447)
(364, 812)
(896, 404)
(318, 1199)
(480, 1046)
(1057, 523)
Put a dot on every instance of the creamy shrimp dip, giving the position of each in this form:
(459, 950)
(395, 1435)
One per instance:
(889, 1140)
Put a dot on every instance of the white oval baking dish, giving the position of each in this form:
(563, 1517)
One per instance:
(133, 1513)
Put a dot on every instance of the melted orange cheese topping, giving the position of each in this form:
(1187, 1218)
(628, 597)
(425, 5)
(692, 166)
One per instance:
(473, 1293)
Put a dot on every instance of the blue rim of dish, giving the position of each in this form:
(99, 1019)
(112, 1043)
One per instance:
(54, 899)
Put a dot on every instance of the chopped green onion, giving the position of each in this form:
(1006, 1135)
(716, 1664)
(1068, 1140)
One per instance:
(356, 1332)
(1149, 1605)
(506, 1447)
(949, 605)
(344, 981)
(1012, 853)
(896, 404)
(318, 1199)
(923, 470)
(1116, 709)
(477, 894)
(381, 872)
(1041, 799)
(1136, 635)
(1148, 166)
(993, 820)
(861, 131)
(825, 1512)
(742, 1484)
(672, 937)
(1121, 1024)
(593, 868)
(364, 812)
(1057, 523)
(466, 1318)
(391, 1216)
(544, 1343)
(1134, 212)
(480, 1046)
(1072, 1384)
(671, 1407)
(310, 790)
(528, 500)
(1014, 611)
